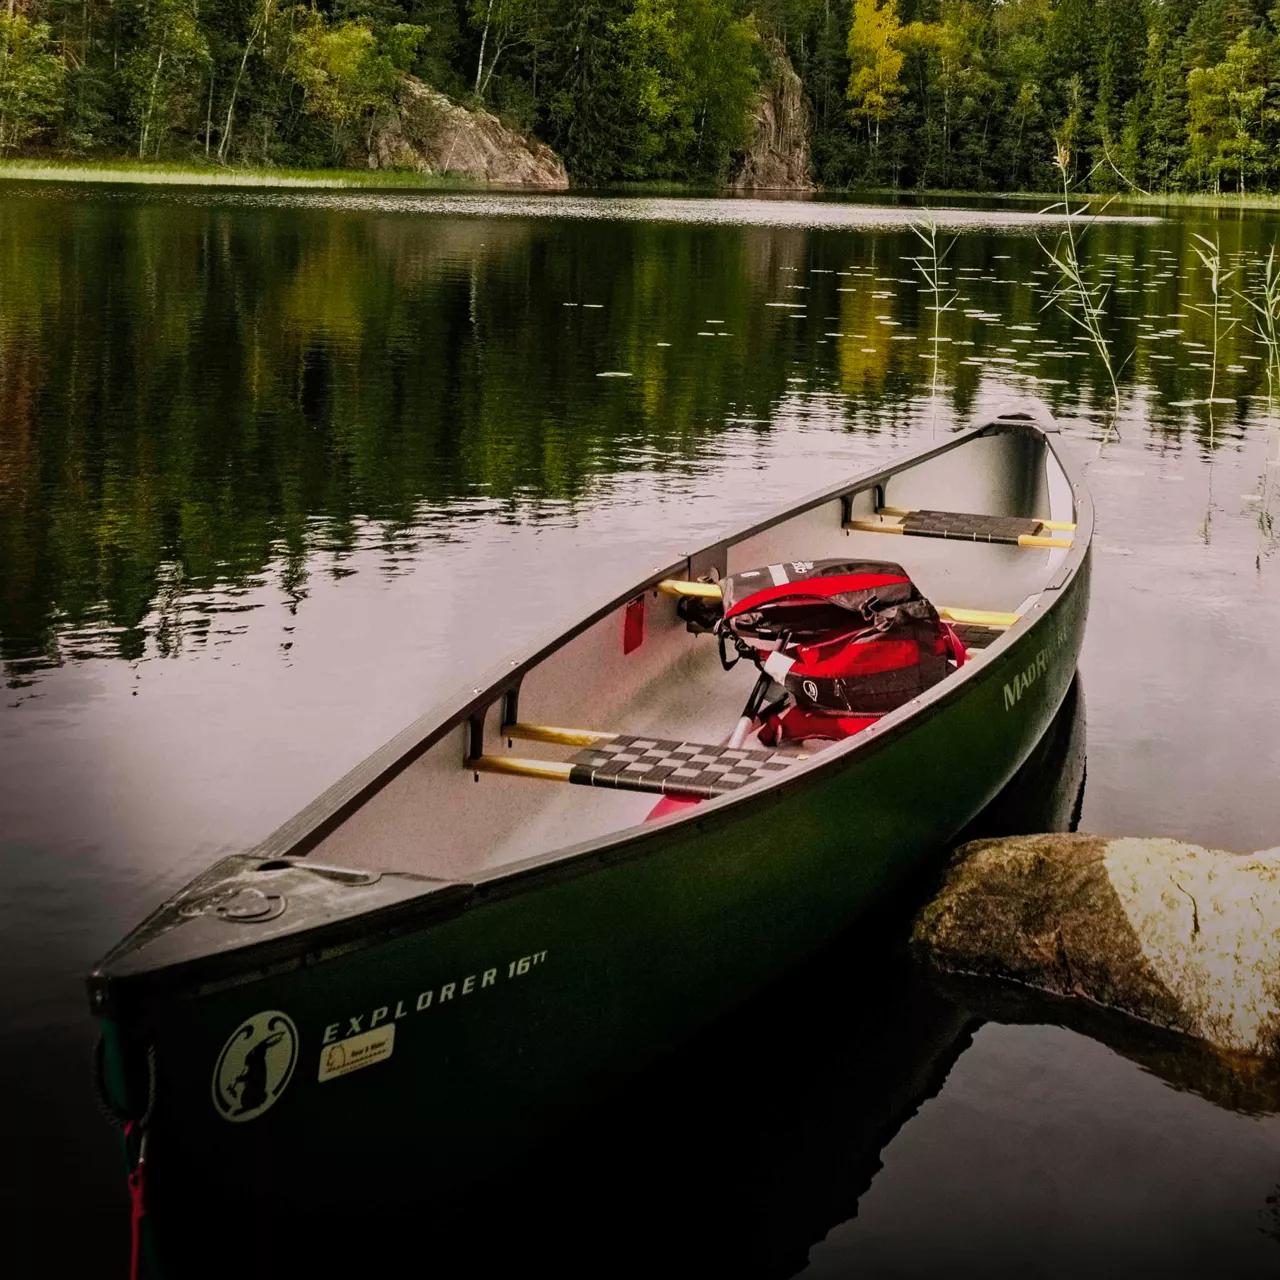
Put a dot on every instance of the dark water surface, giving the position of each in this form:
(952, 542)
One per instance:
(278, 472)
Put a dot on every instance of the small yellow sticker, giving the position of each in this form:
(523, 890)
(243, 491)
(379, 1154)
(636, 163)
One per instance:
(355, 1052)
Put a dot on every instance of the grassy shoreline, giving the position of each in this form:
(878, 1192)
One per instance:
(1190, 199)
(133, 172)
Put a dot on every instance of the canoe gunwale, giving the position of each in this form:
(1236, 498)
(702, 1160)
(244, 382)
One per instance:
(453, 896)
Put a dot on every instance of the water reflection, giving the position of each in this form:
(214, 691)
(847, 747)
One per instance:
(733, 1156)
(201, 395)
(1248, 1086)
(298, 472)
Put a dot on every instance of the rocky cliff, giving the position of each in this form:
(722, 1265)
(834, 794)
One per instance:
(433, 134)
(778, 155)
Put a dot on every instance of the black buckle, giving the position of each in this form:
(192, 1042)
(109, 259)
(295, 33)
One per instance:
(723, 635)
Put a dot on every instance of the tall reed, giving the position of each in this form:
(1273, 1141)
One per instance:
(1079, 299)
(930, 267)
(1265, 305)
(1210, 254)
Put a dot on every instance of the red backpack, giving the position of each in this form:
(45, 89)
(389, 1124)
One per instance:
(846, 639)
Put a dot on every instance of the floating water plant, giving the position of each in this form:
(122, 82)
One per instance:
(1079, 299)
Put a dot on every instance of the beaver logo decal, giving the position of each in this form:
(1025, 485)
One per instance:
(255, 1065)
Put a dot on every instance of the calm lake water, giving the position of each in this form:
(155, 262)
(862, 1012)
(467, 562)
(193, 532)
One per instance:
(278, 472)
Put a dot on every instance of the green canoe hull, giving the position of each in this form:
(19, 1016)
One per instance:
(507, 1003)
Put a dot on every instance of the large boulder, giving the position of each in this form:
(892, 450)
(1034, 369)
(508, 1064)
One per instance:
(1183, 937)
(777, 158)
(433, 134)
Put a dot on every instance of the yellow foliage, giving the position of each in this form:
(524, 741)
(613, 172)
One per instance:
(876, 76)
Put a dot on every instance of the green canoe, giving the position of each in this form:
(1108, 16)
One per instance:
(455, 940)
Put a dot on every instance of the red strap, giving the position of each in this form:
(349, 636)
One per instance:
(137, 1203)
(795, 725)
(819, 589)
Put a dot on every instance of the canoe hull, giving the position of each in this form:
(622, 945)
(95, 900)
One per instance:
(474, 1029)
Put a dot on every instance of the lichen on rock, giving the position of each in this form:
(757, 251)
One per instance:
(1183, 937)
(433, 134)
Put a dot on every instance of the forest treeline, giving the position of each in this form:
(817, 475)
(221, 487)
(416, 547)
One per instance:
(1167, 95)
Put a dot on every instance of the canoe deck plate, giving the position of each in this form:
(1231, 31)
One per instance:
(671, 768)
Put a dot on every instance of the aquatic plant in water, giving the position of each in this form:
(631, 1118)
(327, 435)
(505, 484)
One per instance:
(1210, 254)
(1265, 304)
(929, 265)
(1079, 299)
(1266, 326)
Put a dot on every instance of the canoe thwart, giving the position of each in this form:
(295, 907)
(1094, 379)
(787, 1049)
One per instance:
(690, 590)
(948, 613)
(555, 734)
(1011, 531)
(550, 770)
(1034, 540)
(977, 617)
(658, 766)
